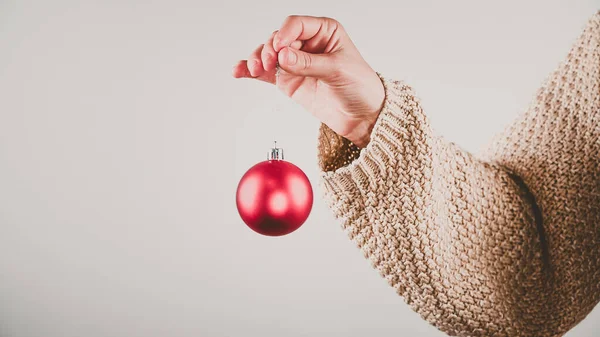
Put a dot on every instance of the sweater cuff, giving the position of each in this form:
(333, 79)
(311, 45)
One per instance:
(344, 167)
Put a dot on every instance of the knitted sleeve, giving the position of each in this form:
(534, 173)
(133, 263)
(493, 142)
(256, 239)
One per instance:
(505, 244)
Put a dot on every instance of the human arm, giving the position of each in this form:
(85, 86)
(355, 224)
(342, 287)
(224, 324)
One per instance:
(506, 244)
(503, 245)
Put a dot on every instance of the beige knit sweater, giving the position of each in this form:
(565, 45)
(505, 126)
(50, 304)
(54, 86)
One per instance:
(504, 244)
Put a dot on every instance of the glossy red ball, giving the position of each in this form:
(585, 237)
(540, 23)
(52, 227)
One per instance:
(274, 197)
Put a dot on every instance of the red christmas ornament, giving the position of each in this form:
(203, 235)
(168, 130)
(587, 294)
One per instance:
(274, 197)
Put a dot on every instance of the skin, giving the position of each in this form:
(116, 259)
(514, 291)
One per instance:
(323, 71)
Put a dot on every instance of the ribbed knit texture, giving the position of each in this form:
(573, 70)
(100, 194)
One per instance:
(502, 244)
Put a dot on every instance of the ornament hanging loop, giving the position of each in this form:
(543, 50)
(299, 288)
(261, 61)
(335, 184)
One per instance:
(276, 153)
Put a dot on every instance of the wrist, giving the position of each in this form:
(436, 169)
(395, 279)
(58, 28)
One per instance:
(364, 131)
(363, 137)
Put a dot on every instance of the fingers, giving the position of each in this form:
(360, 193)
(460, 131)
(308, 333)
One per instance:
(264, 57)
(301, 28)
(254, 64)
(297, 44)
(261, 64)
(240, 70)
(268, 54)
(301, 63)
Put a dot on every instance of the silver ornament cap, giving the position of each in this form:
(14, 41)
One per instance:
(276, 153)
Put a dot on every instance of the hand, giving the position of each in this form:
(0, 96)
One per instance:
(322, 70)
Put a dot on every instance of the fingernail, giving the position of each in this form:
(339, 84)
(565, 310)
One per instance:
(292, 57)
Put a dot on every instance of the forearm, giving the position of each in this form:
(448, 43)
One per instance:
(506, 245)
(450, 233)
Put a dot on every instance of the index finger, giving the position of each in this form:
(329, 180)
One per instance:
(301, 28)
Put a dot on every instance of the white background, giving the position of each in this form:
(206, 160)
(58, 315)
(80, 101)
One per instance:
(123, 136)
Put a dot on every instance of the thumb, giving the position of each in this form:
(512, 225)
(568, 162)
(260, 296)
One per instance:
(301, 63)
